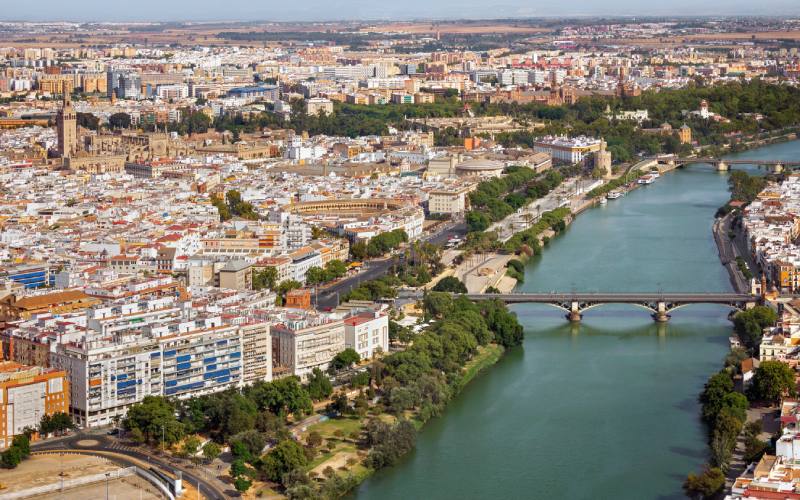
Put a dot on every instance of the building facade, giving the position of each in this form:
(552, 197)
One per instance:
(27, 393)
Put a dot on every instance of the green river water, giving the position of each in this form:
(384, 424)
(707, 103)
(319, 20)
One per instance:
(607, 408)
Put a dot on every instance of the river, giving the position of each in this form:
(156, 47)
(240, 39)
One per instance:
(607, 408)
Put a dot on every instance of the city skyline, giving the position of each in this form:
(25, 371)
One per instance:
(316, 10)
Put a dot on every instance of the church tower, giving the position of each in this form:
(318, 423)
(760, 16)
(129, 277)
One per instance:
(67, 127)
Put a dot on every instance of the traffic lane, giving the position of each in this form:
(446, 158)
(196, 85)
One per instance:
(330, 297)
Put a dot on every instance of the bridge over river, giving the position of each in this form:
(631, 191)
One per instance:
(660, 305)
(775, 166)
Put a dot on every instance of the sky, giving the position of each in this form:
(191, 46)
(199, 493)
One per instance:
(323, 10)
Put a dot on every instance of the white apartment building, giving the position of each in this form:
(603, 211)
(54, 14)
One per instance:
(449, 200)
(367, 333)
(304, 342)
(157, 351)
(304, 259)
(567, 149)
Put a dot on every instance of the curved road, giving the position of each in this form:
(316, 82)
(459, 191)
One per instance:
(86, 442)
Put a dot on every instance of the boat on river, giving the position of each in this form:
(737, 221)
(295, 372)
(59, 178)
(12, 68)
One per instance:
(613, 195)
(646, 179)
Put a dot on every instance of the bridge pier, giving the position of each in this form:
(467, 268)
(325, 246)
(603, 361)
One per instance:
(722, 166)
(574, 312)
(661, 315)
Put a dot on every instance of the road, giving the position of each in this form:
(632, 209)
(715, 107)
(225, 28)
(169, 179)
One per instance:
(329, 297)
(729, 250)
(98, 441)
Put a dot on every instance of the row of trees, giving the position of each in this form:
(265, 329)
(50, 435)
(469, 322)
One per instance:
(384, 287)
(379, 245)
(725, 412)
(57, 423)
(424, 377)
(20, 448)
(745, 187)
(334, 269)
(527, 241)
(498, 198)
(263, 406)
(420, 262)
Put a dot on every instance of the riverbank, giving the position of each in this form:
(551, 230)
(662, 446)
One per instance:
(346, 456)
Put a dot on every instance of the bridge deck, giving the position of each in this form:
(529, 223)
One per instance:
(738, 161)
(611, 297)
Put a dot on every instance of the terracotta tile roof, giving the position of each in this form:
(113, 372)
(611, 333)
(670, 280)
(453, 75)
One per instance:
(37, 301)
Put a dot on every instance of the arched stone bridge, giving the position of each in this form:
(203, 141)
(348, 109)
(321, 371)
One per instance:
(660, 305)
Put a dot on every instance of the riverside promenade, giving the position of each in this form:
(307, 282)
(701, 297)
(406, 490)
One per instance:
(729, 250)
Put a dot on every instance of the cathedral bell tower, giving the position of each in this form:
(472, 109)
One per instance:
(67, 128)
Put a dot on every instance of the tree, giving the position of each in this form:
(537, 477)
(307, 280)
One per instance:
(389, 443)
(266, 278)
(247, 444)
(315, 275)
(477, 221)
(272, 427)
(23, 442)
(336, 269)
(242, 484)
(319, 386)
(437, 304)
(450, 284)
(240, 468)
(137, 436)
(771, 381)
(88, 121)
(283, 458)
(281, 397)
(119, 120)
(211, 451)
(154, 416)
(340, 404)
(358, 250)
(507, 330)
(190, 446)
(11, 457)
(713, 395)
(706, 485)
(749, 324)
(344, 359)
(314, 439)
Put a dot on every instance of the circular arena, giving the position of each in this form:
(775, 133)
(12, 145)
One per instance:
(348, 206)
(480, 168)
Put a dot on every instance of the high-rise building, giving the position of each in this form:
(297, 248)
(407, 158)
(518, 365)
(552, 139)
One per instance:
(67, 126)
(130, 86)
(112, 81)
(27, 393)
